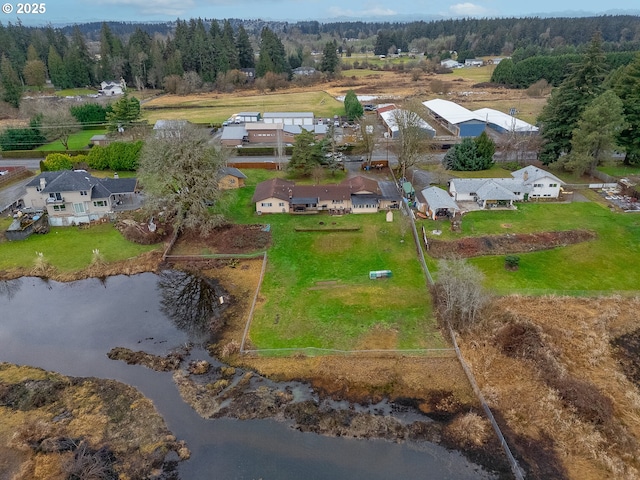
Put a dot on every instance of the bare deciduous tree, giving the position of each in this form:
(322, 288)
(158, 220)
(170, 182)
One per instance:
(368, 136)
(413, 142)
(459, 293)
(179, 175)
(58, 124)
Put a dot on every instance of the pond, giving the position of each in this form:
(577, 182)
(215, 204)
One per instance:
(70, 327)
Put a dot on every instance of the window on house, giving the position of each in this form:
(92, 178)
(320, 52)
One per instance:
(516, 193)
(553, 185)
(336, 201)
(83, 193)
(55, 196)
(537, 185)
(100, 203)
(59, 208)
(265, 204)
(473, 193)
(281, 204)
(78, 207)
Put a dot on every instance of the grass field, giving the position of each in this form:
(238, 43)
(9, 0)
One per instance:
(77, 141)
(599, 265)
(317, 290)
(216, 109)
(73, 92)
(619, 170)
(68, 248)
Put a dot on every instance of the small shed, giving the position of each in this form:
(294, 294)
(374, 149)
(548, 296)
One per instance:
(101, 140)
(230, 178)
(408, 191)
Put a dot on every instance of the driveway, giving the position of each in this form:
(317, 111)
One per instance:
(12, 193)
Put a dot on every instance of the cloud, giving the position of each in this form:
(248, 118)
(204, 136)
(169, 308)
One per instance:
(155, 7)
(374, 11)
(467, 10)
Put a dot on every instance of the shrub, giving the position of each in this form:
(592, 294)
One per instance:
(589, 403)
(57, 161)
(512, 262)
(90, 114)
(118, 156)
(520, 340)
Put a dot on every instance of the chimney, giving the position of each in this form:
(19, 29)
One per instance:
(43, 183)
(525, 176)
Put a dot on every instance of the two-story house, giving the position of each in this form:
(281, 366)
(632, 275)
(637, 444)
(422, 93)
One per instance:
(74, 197)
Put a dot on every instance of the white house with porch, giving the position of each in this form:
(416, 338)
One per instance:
(525, 184)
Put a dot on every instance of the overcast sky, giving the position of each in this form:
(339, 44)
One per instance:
(78, 11)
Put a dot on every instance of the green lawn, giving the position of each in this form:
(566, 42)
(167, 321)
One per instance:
(606, 264)
(317, 289)
(68, 248)
(73, 92)
(77, 141)
(620, 170)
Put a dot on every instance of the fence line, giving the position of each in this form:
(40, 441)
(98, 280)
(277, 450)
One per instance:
(211, 256)
(253, 303)
(436, 352)
(517, 472)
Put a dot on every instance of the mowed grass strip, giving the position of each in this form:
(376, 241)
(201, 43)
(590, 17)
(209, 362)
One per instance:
(215, 109)
(68, 248)
(606, 264)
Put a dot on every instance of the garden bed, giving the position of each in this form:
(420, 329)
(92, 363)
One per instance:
(507, 243)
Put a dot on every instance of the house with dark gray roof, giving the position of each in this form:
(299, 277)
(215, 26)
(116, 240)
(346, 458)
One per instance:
(74, 197)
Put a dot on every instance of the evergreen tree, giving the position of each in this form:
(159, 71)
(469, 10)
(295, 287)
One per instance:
(246, 58)
(11, 85)
(57, 69)
(485, 148)
(123, 112)
(595, 136)
(561, 114)
(306, 155)
(626, 84)
(352, 106)
(330, 60)
(229, 45)
(77, 61)
(470, 155)
(272, 56)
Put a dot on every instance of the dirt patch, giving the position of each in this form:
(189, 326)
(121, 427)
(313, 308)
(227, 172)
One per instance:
(167, 363)
(507, 243)
(628, 353)
(226, 239)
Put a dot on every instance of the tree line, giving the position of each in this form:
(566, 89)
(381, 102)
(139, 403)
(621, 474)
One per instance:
(594, 111)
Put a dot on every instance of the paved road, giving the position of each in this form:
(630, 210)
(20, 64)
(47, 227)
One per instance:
(30, 163)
